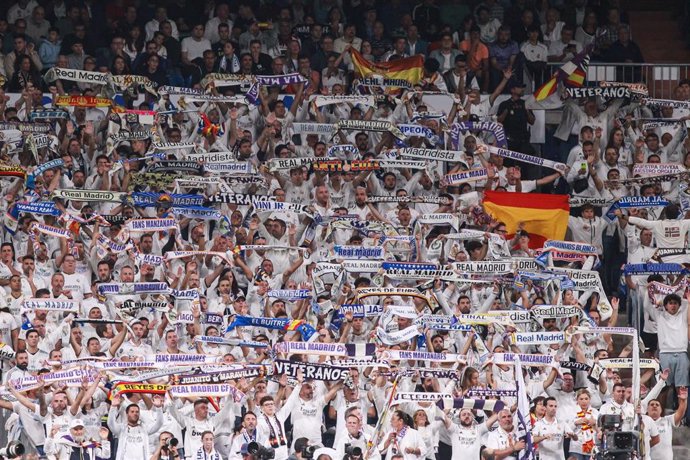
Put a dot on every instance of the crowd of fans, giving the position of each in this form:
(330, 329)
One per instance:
(259, 336)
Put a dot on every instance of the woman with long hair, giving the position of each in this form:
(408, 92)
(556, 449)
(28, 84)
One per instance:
(25, 75)
(403, 439)
(134, 43)
(585, 421)
(617, 140)
(470, 380)
(428, 430)
(120, 66)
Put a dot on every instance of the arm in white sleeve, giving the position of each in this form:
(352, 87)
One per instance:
(653, 393)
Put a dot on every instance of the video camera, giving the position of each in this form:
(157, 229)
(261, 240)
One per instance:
(352, 452)
(617, 444)
(12, 450)
(260, 452)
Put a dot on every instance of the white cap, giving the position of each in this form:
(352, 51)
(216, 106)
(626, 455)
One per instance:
(76, 422)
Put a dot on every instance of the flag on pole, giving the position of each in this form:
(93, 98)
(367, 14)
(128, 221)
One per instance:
(523, 430)
(572, 73)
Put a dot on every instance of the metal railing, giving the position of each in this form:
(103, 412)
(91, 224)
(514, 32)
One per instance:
(661, 79)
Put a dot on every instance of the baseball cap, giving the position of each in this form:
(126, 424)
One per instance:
(76, 423)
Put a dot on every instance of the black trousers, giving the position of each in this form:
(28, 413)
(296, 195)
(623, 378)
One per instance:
(444, 451)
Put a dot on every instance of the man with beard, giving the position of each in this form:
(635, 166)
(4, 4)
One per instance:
(131, 432)
(362, 208)
(75, 445)
(20, 369)
(467, 437)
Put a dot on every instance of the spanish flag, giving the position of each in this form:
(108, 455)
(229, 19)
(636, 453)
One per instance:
(573, 74)
(543, 216)
(410, 69)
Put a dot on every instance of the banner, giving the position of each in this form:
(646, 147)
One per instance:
(38, 207)
(523, 157)
(472, 175)
(217, 390)
(433, 154)
(82, 76)
(634, 202)
(400, 355)
(89, 195)
(221, 375)
(311, 371)
(151, 225)
(66, 306)
(82, 101)
(657, 169)
(536, 338)
(527, 359)
(357, 252)
(282, 324)
(494, 128)
(189, 167)
(133, 288)
(369, 125)
(354, 99)
(312, 348)
(609, 92)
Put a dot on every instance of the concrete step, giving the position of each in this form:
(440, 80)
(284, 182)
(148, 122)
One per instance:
(681, 452)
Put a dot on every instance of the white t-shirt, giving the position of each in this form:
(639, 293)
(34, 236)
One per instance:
(195, 49)
(551, 449)
(667, 233)
(672, 329)
(8, 323)
(664, 450)
(306, 418)
(498, 440)
(535, 53)
(468, 440)
(650, 430)
(78, 284)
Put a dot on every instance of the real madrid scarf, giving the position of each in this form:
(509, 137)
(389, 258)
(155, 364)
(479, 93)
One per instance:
(494, 128)
(282, 324)
(82, 101)
(89, 195)
(369, 125)
(523, 157)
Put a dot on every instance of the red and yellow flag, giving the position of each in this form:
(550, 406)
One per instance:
(544, 217)
(410, 69)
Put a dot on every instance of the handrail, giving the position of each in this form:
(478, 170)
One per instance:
(661, 78)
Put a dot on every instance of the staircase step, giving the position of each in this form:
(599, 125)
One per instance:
(656, 30)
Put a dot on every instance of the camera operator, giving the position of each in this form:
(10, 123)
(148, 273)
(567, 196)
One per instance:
(357, 436)
(167, 447)
(300, 444)
(619, 406)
